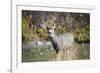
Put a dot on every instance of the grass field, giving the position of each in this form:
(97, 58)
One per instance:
(48, 54)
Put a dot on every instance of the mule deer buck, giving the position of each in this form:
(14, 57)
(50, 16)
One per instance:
(61, 41)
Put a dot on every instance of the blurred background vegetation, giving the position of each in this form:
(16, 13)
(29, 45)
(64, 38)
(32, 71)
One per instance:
(77, 23)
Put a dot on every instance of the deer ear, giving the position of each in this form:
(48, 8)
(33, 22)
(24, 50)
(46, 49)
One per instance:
(43, 26)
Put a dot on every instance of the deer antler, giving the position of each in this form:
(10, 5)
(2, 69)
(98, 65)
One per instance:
(54, 25)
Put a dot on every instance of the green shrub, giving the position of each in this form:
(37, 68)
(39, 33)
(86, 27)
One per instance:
(82, 33)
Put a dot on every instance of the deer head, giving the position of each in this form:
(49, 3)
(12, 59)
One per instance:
(50, 29)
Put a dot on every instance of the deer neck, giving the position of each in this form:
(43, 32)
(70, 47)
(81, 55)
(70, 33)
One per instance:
(52, 36)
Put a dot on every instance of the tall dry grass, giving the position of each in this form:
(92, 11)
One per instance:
(73, 52)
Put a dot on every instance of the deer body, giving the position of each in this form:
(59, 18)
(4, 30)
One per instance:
(65, 39)
(61, 41)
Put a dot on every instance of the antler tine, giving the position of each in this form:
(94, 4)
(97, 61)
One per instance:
(54, 25)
